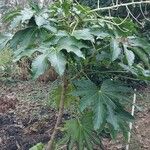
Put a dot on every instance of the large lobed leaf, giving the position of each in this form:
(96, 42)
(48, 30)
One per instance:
(130, 48)
(70, 44)
(83, 34)
(48, 56)
(79, 133)
(39, 65)
(104, 101)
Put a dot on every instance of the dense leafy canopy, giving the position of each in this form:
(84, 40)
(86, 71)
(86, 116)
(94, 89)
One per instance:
(49, 32)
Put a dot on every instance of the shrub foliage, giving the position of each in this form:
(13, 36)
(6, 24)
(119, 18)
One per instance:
(95, 52)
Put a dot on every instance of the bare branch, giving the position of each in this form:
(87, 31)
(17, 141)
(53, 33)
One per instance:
(133, 16)
(143, 14)
(121, 5)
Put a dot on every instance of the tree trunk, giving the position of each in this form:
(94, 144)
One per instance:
(61, 109)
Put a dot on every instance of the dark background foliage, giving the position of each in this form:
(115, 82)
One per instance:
(142, 13)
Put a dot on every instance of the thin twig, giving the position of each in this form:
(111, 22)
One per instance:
(119, 23)
(143, 14)
(133, 16)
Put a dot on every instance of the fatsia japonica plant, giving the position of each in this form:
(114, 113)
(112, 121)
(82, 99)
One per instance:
(92, 54)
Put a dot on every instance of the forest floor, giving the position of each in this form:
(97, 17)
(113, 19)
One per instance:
(27, 119)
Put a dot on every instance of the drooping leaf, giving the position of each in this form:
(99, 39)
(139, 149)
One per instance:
(21, 17)
(71, 45)
(26, 14)
(40, 20)
(142, 55)
(139, 42)
(138, 71)
(24, 41)
(39, 65)
(56, 58)
(58, 61)
(44, 23)
(116, 50)
(83, 34)
(129, 56)
(99, 32)
(23, 38)
(112, 118)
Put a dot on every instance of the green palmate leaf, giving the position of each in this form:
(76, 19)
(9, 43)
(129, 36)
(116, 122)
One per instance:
(83, 34)
(58, 61)
(28, 15)
(71, 45)
(45, 23)
(40, 21)
(142, 55)
(116, 50)
(24, 41)
(49, 27)
(100, 114)
(40, 65)
(42, 62)
(138, 71)
(129, 56)
(139, 42)
(119, 121)
(112, 118)
(103, 101)
(25, 15)
(23, 38)
(53, 39)
(51, 55)
(99, 32)
(79, 133)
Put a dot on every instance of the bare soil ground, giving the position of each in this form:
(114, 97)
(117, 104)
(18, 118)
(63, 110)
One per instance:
(25, 119)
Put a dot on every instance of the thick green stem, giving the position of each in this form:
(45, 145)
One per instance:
(61, 109)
